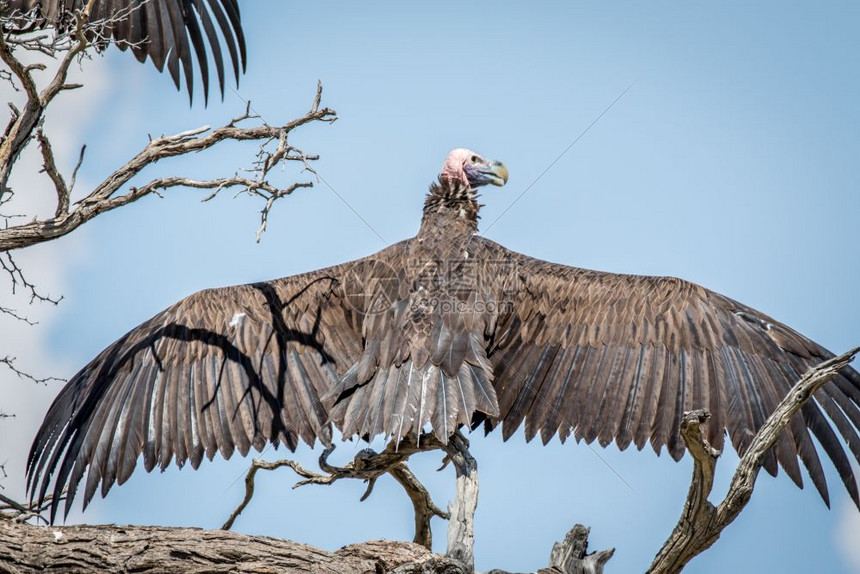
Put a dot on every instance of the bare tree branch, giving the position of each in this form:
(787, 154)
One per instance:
(367, 465)
(571, 556)
(21, 512)
(25, 125)
(701, 522)
(19, 281)
(105, 196)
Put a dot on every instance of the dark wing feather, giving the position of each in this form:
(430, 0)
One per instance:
(224, 369)
(606, 356)
(162, 30)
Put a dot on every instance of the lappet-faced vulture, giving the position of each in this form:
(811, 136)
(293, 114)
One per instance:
(171, 32)
(442, 330)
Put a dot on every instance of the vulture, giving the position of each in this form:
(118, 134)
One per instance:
(442, 331)
(171, 32)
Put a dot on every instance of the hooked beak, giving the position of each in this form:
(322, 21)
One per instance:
(495, 174)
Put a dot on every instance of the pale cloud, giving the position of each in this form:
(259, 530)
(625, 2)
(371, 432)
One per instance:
(848, 534)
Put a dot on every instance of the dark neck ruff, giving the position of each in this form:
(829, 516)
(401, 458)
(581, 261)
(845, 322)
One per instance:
(450, 203)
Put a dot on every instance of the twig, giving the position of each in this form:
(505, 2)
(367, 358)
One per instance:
(21, 512)
(15, 315)
(16, 275)
(702, 523)
(9, 362)
(50, 168)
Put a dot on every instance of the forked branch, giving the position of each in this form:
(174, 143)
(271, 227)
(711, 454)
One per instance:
(701, 522)
(367, 465)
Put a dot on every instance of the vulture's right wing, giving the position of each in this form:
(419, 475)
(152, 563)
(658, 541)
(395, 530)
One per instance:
(609, 356)
(167, 31)
(223, 369)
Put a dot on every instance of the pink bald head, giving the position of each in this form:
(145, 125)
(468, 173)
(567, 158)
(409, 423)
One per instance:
(452, 169)
(468, 167)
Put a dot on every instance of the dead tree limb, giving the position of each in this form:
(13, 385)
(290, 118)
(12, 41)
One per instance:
(368, 466)
(701, 522)
(106, 196)
(461, 524)
(571, 556)
(25, 548)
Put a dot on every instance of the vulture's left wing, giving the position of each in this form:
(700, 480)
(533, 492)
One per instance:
(222, 370)
(621, 357)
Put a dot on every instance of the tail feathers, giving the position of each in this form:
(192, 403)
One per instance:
(399, 400)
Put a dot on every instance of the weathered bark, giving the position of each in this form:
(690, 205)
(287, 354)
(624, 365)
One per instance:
(26, 548)
(570, 556)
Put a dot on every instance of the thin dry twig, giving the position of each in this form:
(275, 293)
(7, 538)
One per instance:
(9, 363)
(19, 280)
(702, 523)
(20, 512)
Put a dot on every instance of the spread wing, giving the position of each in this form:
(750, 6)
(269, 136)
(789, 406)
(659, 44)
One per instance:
(621, 357)
(166, 31)
(221, 370)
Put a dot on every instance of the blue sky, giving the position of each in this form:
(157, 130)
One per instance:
(732, 162)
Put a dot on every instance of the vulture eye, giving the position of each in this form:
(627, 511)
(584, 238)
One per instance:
(474, 159)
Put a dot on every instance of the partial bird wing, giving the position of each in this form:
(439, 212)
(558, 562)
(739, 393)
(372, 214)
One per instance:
(621, 357)
(166, 31)
(223, 369)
